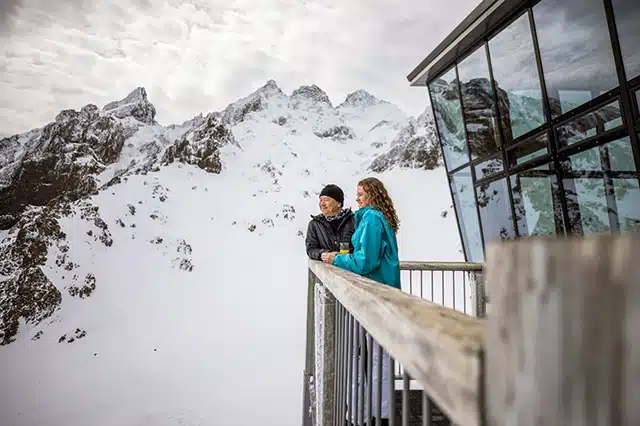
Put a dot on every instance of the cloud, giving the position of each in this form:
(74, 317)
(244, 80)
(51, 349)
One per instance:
(198, 56)
(7, 9)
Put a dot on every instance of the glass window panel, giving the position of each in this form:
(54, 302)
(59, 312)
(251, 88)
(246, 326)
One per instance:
(528, 150)
(627, 13)
(516, 77)
(489, 167)
(590, 125)
(495, 211)
(537, 209)
(478, 105)
(463, 197)
(637, 102)
(627, 195)
(576, 52)
(446, 103)
(603, 192)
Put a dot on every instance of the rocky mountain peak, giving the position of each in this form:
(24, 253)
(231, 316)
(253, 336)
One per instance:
(360, 98)
(237, 111)
(271, 87)
(310, 93)
(135, 105)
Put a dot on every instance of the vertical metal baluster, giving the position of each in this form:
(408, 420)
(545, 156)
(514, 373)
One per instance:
(336, 358)
(453, 273)
(411, 282)
(464, 290)
(347, 356)
(356, 377)
(432, 295)
(350, 366)
(392, 392)
(344, 367)
(340, 378)
(370, 380)
(421, 285)
(379, 385)
(426, 410)
(443, 303)
(336, 406)
(361, 381)
(405, 399)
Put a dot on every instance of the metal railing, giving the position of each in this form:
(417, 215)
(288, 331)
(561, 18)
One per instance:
(560, 345)
(359, 387)
(455, 285)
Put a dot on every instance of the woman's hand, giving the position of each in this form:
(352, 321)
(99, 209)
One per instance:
(328, 257)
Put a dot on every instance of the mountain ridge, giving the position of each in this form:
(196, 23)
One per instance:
(49, 172)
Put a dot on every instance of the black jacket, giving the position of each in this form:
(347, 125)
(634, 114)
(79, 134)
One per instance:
(321, 237)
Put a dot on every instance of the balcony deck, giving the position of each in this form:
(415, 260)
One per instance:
(556, 347)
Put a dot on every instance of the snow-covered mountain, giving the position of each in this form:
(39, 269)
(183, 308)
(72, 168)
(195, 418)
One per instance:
(156, 275)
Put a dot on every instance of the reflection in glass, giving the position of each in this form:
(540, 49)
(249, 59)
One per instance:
(576, 52)
(627, 13)
(478, 105)
(594, 123)
(495, 211)
(537, 209)
(446, 103)
(602, 189)
(528, 150)
(462, 192)
(517, 81)
(489, 167)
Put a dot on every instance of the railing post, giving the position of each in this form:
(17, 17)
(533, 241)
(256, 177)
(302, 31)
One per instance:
(563, 341)
(307, 401)
(325, 320)
(480, 294)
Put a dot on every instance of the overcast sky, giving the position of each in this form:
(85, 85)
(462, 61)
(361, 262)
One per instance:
(199, 55)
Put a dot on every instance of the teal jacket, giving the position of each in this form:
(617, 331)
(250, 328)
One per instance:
(375, 249)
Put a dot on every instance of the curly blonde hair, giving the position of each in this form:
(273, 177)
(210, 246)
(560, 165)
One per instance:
(380, 200)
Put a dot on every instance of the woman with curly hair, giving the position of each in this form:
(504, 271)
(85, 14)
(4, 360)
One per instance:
(375, 248)
(375, 256)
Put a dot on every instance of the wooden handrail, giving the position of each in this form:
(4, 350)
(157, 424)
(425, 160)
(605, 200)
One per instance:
(440, 266)
(439, 347)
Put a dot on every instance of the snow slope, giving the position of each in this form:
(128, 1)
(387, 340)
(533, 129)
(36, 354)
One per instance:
(194, 313)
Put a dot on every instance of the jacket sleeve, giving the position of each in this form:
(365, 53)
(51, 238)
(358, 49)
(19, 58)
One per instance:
(367, 257)
(313, 245)
(349, 230)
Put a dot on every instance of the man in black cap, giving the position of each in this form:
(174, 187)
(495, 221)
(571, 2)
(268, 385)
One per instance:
(333, 226)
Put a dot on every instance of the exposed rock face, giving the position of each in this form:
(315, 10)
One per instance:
(337, 133)
(27, 292)
(360, 98)
(257, 101)
(309, 94)
(415, 147)
(201, 146)
(61, 161)
(42, 172)
(135, 105)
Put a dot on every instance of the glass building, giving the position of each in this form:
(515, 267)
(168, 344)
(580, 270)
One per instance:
(537, 109)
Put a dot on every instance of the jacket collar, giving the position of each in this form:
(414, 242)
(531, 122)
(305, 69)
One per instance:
(360, 212)
(347, 214)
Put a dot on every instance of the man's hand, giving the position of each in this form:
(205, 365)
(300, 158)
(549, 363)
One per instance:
(328, 257)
